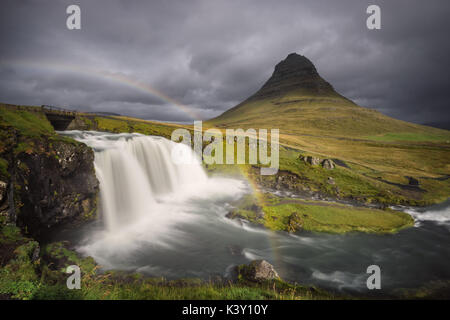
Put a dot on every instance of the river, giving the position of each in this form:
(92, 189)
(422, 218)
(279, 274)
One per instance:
(164, 219)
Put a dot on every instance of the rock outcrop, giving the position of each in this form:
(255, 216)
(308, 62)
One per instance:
(328, 164)
(314, 161)
(45, 179)
(256, 271)
(54, 183)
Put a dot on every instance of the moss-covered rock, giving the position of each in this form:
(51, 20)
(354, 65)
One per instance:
(295, 222)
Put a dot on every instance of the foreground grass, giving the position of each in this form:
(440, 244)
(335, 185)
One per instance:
(31, 272)
(108, 287)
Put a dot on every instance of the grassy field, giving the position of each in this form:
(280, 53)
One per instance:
(335, 218)
(406, 136)
(292, 215)
(125, 124)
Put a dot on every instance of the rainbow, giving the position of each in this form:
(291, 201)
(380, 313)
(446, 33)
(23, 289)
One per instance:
(140, 86)
(102, 75)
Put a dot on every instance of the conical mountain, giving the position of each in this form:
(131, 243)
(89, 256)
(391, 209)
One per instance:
(298, 74)
(297, 100)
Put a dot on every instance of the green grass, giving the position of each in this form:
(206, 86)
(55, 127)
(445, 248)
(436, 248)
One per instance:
(290, 214)
(4, 168)
(121, 124)
(368, 182)
(112, 125)
(336, 218)
(111, 287)
(101, 288)
(9, 234)
(27, 123)
(409, 136)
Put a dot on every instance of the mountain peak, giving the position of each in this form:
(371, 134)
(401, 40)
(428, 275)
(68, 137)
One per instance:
(294, 73)
(296, 63)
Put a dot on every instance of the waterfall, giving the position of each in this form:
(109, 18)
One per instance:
(134, 171)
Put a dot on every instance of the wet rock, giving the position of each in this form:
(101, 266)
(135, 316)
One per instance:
(257, 271)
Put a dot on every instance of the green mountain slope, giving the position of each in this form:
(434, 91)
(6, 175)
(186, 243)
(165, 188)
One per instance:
(298, 100)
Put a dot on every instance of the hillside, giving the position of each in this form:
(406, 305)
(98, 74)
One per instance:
(377, 154)
(298, 100)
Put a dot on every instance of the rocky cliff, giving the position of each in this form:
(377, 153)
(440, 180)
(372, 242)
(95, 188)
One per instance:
(46, 180)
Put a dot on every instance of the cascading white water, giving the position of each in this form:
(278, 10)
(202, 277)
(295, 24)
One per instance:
(134, 170)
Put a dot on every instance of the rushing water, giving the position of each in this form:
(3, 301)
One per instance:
(166, 219)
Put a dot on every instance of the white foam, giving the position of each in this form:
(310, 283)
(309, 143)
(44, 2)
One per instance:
(439, 216)
(343, 280)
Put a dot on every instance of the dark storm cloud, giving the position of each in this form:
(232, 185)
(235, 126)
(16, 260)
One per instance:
(209, 55)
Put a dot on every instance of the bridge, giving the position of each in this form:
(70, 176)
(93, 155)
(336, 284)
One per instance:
(59, 118)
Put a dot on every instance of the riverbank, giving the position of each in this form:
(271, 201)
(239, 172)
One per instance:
(295, 215)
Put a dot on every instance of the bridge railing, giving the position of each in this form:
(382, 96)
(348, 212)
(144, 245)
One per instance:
(59, 110)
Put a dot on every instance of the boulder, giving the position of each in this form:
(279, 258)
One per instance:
(314, 161)
(257, 271)
(328, 164)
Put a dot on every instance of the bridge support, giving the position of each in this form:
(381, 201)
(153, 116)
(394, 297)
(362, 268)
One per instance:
(59, 122)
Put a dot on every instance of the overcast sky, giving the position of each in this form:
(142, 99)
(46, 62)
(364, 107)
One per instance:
(209, 55)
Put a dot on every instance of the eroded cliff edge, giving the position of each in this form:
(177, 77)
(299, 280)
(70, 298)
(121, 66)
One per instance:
(45, 179)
